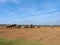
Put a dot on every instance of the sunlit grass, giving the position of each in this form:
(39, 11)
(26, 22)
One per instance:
(18, 42)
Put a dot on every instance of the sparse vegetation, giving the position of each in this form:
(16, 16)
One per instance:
(18, 42)
(44, 35)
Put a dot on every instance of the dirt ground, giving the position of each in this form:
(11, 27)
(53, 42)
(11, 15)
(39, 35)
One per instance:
(48, 35)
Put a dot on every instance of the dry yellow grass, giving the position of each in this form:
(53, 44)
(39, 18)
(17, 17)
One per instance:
(49, 35)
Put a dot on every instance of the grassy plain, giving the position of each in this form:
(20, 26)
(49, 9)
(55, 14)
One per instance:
(45, 35)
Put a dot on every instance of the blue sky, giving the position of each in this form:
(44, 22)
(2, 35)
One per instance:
(39, 12)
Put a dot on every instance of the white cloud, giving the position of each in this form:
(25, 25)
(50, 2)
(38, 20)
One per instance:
(48, 6)
(14, 1)
(50, 18)
(50, 11)
(3, 1)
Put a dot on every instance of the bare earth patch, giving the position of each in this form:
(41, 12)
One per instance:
(48, 35)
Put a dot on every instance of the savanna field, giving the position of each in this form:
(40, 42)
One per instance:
(45, 35)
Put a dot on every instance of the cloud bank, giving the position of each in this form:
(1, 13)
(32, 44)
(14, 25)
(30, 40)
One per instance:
(45, 13)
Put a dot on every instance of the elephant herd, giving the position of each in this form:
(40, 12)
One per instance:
(21, 26)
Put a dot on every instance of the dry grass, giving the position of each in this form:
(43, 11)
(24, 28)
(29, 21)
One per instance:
(48, 35)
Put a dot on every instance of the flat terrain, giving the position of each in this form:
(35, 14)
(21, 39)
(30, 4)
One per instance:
(47, 35)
